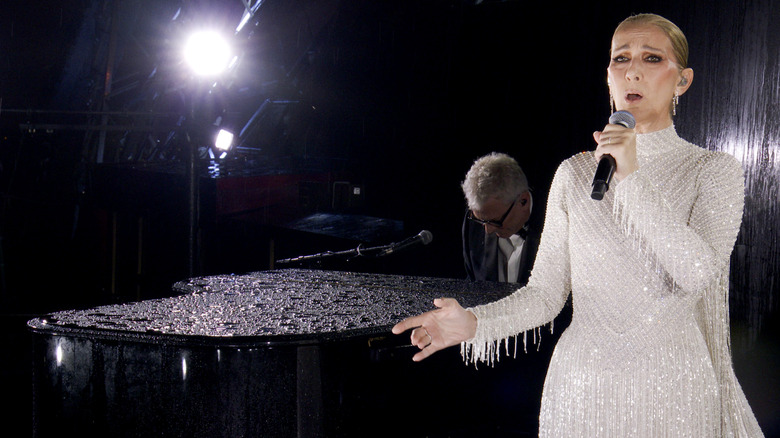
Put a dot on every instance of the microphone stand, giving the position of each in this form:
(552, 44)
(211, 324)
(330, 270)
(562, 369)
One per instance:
(376, 251)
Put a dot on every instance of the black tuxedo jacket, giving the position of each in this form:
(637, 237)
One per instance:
(480, 253)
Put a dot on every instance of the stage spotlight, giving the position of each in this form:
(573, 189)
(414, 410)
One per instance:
(224, 140)
(207, 53)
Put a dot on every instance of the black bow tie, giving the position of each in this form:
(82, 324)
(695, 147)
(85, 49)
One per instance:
(523, 233)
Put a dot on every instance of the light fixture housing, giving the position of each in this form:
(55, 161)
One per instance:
(224, 140)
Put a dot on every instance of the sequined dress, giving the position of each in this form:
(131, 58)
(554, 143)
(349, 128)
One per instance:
(647, 352)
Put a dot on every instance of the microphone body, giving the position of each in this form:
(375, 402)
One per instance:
(424, 237)
(607, 164)
(603, 176)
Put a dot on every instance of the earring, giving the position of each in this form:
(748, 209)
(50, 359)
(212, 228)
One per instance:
(675, 102)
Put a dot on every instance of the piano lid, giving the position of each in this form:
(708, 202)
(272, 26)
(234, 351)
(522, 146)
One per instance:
(294, 306)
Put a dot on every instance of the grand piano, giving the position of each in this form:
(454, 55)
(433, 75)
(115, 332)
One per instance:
(279, 353)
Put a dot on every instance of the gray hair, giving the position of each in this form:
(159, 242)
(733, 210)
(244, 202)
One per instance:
(495, 175)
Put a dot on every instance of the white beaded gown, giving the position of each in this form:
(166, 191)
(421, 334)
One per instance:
(647, 352)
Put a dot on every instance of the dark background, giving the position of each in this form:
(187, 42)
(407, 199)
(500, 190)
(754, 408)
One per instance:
(396, 98)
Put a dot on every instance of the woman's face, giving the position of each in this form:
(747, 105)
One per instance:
(644, 75)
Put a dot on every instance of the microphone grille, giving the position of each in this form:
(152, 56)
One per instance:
(624, 118)
(426, 237)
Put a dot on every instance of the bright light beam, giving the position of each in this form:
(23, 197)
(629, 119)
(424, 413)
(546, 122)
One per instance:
(207, 53)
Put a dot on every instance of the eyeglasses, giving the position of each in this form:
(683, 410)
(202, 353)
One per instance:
(493, 223)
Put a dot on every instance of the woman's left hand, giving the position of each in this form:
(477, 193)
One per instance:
(435, 330)
(620, 142)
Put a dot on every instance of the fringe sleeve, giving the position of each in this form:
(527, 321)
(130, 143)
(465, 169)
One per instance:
(692, 253)
(712, 316)
(698, 262)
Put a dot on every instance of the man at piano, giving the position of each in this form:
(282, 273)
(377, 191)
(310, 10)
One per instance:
(498, 243)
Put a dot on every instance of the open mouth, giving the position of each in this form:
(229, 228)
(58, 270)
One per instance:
(633, 97)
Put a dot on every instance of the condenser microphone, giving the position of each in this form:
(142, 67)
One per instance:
(606, 167)
(424, 237)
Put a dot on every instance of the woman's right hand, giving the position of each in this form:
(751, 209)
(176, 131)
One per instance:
(437, 329)
(620, 142)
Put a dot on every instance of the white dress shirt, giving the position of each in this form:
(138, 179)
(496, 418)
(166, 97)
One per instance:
(509, 257)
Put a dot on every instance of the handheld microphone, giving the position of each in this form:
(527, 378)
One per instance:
(606, 167)
(424, 237)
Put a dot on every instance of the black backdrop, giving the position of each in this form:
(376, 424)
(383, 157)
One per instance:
(408, 94)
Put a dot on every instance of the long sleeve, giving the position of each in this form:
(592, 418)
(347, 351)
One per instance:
(698, 260)
(692, 246)
(466, 242)
(548, 287)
